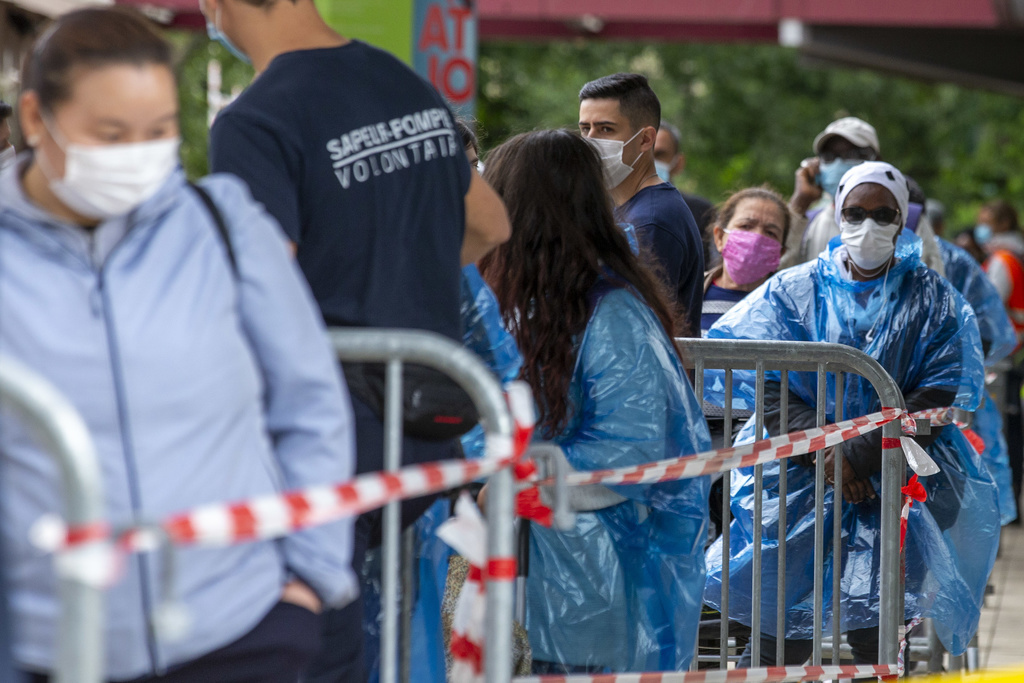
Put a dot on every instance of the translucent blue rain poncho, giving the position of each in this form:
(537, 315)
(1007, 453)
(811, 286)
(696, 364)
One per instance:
(622, 590)
(994, 324)
(923, 333)
(999, 338)
(484, 334)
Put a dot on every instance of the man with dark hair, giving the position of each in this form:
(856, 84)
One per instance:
(6, 148)
(619, 116)
(358, 159)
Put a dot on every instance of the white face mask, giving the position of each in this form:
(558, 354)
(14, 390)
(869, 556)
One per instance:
(869, 244)
(103, 181)
(7, 157)
(615, 170)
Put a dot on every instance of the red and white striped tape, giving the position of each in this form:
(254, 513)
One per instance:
(774, 674)
(274, 516)
(722, 459)
(767, 450)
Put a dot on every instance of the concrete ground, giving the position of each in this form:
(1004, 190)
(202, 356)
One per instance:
(1001, 633)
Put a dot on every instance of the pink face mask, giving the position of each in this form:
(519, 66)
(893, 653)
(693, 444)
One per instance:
(750, 256)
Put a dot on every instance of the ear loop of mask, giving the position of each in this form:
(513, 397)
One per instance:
(58, 139)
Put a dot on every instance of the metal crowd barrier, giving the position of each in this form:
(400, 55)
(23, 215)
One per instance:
(395, 348)
(822, 359)
(61, 432)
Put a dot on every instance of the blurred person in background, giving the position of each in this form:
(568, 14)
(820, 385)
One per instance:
(936, 212)
(998, 341)
(869, 290)
(620, 591)
(7, 151)
(172, 317)
(619, 117)
(966, 241)
(670, 161)
(844, 143)
(998, 232)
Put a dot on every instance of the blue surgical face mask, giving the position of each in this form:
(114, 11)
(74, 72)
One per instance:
(831, 172)
(663, 170)
(214, 32)
(982, 233)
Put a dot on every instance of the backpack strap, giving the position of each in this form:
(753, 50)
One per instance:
(218, 220)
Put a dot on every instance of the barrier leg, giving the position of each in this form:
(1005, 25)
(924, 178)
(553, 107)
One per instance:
(63, 434)
(392, 525)
(891, 594)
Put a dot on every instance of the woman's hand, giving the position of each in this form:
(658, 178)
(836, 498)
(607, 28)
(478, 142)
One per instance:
(298, 593)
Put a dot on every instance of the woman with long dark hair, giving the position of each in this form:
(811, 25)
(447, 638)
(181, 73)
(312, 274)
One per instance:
(621, 590)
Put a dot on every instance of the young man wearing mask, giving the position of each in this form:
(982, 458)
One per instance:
(845, 143)
(619, 116)
(7, 151)
(358, 159)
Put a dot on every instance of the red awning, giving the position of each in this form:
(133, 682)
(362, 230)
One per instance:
(694, 19)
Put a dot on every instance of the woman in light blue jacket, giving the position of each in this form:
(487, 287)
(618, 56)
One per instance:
(621, 591)
(183, 333)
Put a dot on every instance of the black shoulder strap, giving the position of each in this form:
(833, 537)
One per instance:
(218, 220)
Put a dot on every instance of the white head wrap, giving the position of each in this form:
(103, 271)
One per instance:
(880, 173)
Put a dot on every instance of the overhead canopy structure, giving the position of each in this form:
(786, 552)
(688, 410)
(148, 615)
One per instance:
(53, 8)
(978, 43)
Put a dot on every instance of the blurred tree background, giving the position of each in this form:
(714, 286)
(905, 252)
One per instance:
(748, 113)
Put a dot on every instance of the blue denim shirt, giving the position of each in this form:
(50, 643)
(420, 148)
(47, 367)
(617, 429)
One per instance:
(198, 386)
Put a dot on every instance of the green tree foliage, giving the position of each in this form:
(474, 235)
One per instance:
(749, 114)
(196, 52)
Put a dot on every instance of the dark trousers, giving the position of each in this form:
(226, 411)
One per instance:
(1014, 429)
(277, 650)
(863, 642)
(342, 658)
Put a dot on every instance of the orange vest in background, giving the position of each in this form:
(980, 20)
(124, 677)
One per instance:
(1015, 302)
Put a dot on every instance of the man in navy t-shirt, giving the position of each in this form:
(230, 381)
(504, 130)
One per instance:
(358, 159)
(620, 115)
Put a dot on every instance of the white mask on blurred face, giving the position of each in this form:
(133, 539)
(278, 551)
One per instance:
(104, 181)
(869, 244)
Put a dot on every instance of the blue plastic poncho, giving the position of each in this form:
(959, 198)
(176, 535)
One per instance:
(484, 334)
(997, 333)
(994, 324)
(923, 333)
(622, 590)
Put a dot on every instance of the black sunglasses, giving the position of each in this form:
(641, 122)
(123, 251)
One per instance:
(882, 215)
